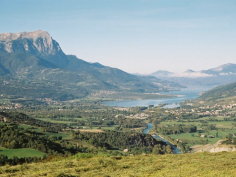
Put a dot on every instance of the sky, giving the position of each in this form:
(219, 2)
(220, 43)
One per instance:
(137, 36)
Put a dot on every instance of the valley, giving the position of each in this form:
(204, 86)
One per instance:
(117, 88)
(55, 107)
(193, 123)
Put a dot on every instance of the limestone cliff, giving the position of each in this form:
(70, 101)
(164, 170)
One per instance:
(221, 148)
(29, 42)
(38, 43)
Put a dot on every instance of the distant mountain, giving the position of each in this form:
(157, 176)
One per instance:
(221, 75)
(32, 64)
(163, 84)
(226, 69)
(162, 73)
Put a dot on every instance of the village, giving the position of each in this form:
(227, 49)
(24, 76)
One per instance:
(215, 110)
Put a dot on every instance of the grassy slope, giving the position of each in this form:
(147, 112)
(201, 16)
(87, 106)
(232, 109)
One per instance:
(23, 152)
(62, 134)
(198, 164)
(222, 95)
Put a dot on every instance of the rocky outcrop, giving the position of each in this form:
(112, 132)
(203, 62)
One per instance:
(217, 147)
(38, 43)
(221, 148)
(29, 42)
(3, 119)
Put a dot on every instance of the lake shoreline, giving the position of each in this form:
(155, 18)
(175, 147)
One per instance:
(175, 97)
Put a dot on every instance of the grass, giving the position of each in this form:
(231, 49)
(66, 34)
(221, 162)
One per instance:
(188, 136)
(197, 164)
(29, 126)
(23, 152)
(4, 101)
(54, 121)
(221, 118)
(81, 142)
(63, 135)
(224, 128)
(112, 127)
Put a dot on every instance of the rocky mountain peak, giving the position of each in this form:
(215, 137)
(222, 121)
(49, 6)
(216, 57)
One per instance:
(6, 37)
(30, 42)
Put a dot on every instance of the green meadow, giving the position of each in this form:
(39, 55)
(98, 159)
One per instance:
(223, 129)
(23, 152)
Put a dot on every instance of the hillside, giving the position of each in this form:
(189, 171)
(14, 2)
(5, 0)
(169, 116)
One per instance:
(162, 84)
(18, 130)
(221, 93)
(33, 64)
(198, 164)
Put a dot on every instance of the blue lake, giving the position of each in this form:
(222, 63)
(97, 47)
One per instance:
(185, 94)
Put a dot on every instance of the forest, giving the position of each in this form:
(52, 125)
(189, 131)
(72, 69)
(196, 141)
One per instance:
(176, 129)
(13, 137)
(20, 118)
(18, 130)
(136, 143)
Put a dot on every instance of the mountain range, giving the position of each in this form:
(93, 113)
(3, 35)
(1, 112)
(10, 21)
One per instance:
(32, 64)
(220, 75)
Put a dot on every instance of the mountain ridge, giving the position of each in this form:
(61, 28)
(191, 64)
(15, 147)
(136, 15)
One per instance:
(225, 68)
(223, 74)
(37, 58)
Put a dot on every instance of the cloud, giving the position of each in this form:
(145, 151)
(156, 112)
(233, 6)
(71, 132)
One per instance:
(191, 75)
(226, 74)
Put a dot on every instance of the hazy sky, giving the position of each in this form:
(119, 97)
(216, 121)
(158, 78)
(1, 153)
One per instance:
(137, 36)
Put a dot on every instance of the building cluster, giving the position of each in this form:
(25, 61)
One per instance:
(5, 106)
(138, 116)
(215, 110)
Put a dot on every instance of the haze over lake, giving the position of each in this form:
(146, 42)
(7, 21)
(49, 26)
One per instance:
(184, 94)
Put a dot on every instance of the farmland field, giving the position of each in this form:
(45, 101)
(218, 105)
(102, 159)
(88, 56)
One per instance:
(23, 152)
(222, 129)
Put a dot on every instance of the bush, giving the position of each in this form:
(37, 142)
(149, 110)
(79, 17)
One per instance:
(83, 156)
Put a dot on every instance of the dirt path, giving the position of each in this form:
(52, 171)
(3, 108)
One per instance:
(206, 147)
(91, 130)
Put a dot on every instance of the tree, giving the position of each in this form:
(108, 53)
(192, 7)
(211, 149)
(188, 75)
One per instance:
(198, 134)
(157, 149)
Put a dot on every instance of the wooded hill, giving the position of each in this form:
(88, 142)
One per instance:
(20, 118)
(223, 92)
(136, 143)
(13, 136)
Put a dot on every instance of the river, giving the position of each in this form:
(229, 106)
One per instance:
(184, 94)
(176, 150)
